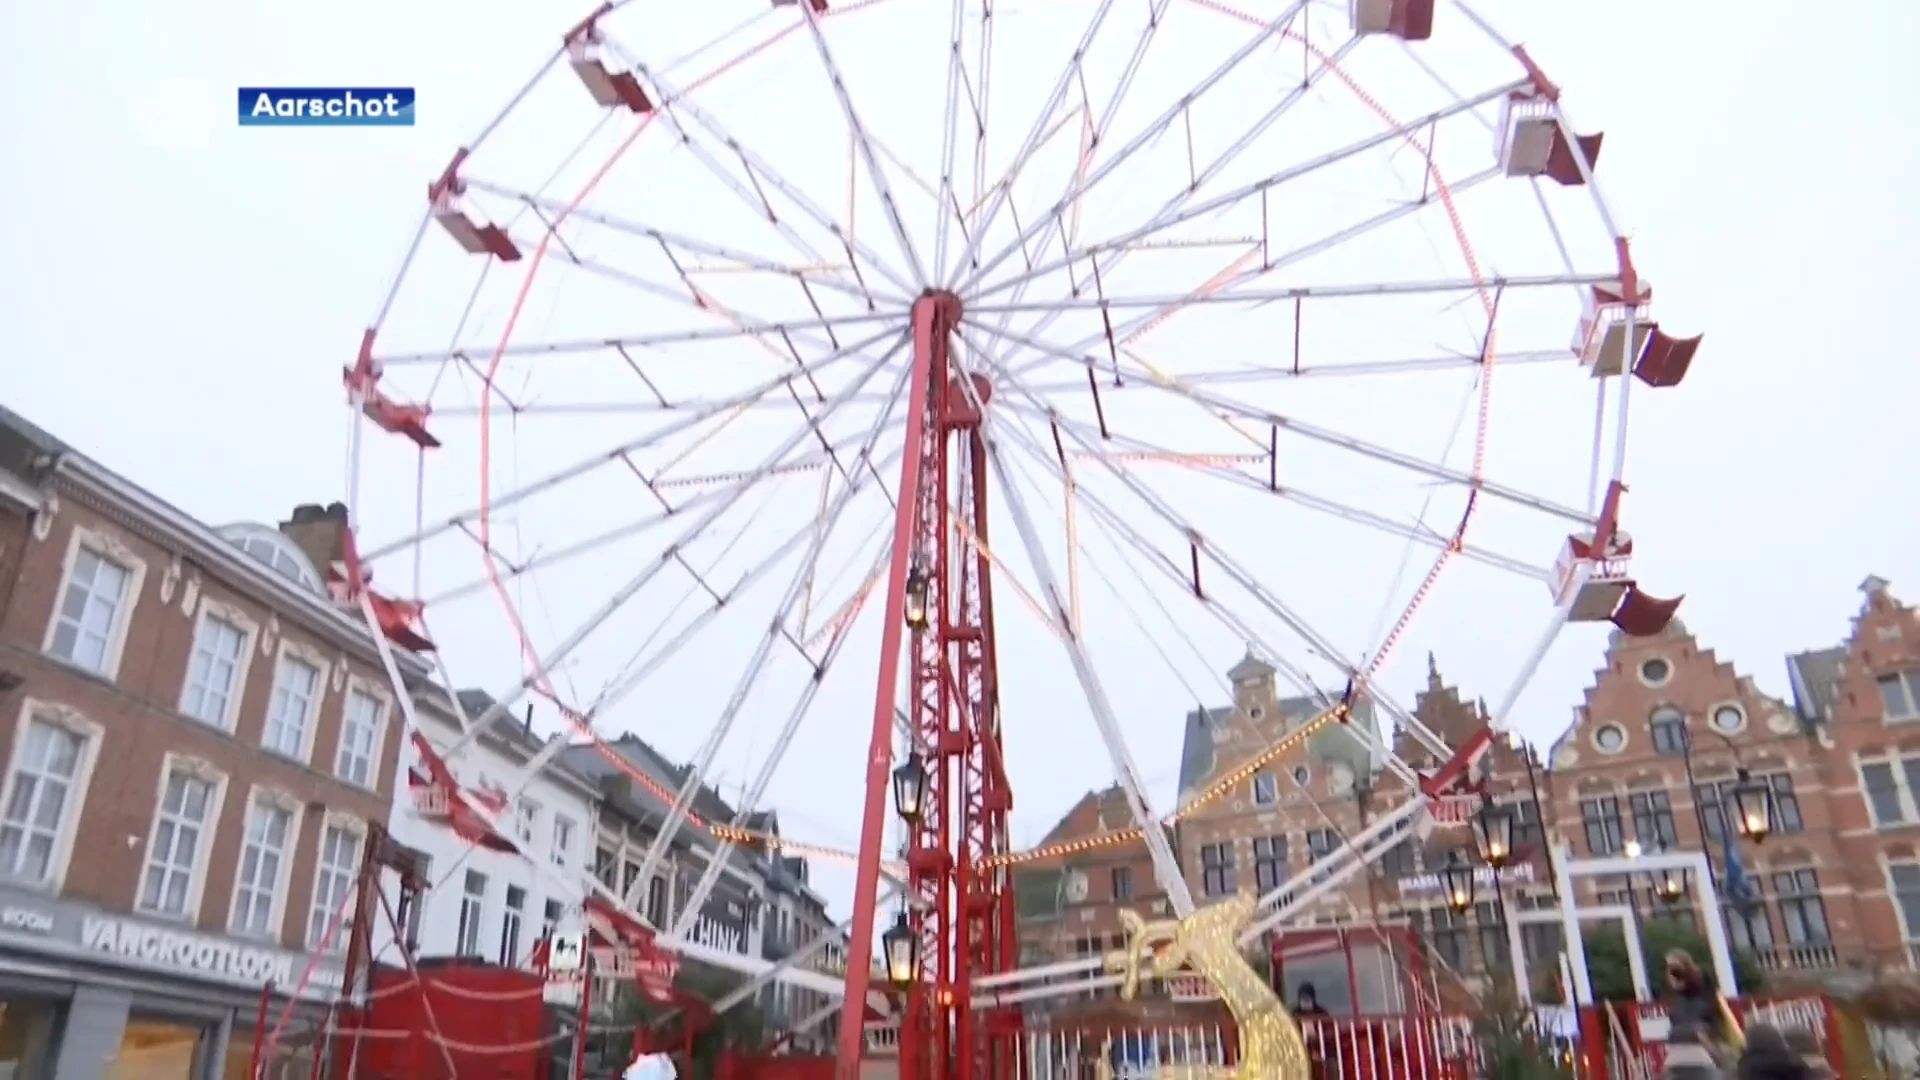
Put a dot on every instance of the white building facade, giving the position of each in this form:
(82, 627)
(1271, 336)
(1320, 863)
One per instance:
(488, 905)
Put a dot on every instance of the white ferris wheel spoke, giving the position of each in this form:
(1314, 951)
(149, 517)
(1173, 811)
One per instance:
(943, 200)
(1233, 408)
(1166, 865)
(1294, 369)
(1152, 130)
(763, 652)
(1002, 192)
(863, 142)
(764, 173)
(1321, 504)
(604, 458)
(733, 258)
(619, 598)
(658, 340)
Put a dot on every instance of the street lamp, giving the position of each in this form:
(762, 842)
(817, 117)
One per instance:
(1456, 882)
(1751, 801)
(909, 789)
(1670, 884)
(1493, 833)
(915, 607)
(902, 949)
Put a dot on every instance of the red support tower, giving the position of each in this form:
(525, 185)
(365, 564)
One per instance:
(961, 908)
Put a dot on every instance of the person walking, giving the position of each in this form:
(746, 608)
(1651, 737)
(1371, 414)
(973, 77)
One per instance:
(1694, 1044)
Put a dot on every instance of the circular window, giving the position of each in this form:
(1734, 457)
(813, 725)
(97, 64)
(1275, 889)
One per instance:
(1729, 718)
(1610, 739)
(1256, 713)
(1655, 672)
(1301, 775)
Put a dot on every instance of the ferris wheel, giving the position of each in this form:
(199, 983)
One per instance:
(907, 380)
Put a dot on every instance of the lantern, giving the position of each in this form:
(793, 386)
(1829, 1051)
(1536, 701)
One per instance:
(915, 607)
(1670, 885)
(1751, 804)
(909, 789)
(1456, 883)
(1493, 833)
(902, 950)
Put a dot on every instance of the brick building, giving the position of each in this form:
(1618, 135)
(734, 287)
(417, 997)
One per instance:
(195, 740)
(1652, 750)
(1069, 908)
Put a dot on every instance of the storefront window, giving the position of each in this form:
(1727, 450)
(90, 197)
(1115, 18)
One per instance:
(156, 1050)
(290, 1058)
(26, 1035)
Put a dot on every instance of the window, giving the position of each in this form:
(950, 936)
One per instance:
(1655, 672)
(1398, 861)
(1449, 937)
(1122, 884)
(657, 901)
(1269, 862)
(550, 918)
(1748, 930)
(1899, 695)
(473, 910)
(333, 886)
(1526, 824)
(40, 791)
(510, 926)
(1601, 817)
(1653, 819)
(213, 673)
(1668, 726)
(1729, 719)
(359, 738)
(562, 849)
(1889, 790)
(629, 874)
(1903, 881)
(603, 864)
(1494, 952)
(263, 854)
(1265, 791)
(179, 837)
(1803, 915)
(1610, 739)
(296, 686)
(86, 628)
(1217, 877)
(527, 816)
(1786, 805)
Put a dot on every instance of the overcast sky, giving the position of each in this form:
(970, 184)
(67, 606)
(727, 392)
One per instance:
(183, 294)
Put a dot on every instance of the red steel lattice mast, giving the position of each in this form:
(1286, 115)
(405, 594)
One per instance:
(939, 599)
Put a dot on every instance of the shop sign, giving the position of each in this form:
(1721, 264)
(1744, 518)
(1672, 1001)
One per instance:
(85, 933)
(194, 954)
(1424, 884)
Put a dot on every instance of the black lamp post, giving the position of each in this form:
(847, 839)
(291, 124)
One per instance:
(1493, 833)
(915, 606)
(1751, 803)
(1456, 883)
(902, 949)
(910, 789)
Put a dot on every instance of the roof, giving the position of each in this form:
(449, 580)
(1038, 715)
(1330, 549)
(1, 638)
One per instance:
(1813, 675)
(1197, 759)
(35, 456)
(641, 803)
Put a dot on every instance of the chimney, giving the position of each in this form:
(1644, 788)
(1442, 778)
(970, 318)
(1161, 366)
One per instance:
(320, 532)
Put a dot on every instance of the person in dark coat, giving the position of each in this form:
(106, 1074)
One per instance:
(1768, 1057)
(1694, 1047)
(1306, 1002)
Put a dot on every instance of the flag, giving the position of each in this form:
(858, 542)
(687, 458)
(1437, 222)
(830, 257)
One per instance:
(1742, 893)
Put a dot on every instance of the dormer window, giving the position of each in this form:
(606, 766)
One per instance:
(275, 552)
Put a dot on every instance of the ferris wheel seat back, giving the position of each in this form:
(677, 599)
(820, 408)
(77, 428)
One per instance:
(475, 237)
(610, 88)
(1531, 141)
(1408, 20)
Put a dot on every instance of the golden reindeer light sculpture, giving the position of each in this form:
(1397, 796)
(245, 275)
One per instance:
(1271, 1047)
